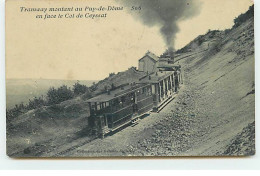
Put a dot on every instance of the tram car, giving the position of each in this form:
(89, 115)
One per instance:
(116, 108)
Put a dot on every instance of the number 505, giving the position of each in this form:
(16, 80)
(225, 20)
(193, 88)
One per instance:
(136, 8)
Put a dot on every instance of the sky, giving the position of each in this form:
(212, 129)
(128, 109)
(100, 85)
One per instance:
(84, 49)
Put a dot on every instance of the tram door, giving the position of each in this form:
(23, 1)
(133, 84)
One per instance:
(103, 121)
(134, 100)
(176, 80)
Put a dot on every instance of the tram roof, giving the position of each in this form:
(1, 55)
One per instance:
(156, 77)
(105, 97)
(173, 66)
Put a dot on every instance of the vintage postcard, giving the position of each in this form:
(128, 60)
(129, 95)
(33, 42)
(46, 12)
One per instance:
(127, 78)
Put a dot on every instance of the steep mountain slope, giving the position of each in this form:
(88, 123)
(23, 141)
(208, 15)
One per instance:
(203, 42)
(214, 107)
(224, 80)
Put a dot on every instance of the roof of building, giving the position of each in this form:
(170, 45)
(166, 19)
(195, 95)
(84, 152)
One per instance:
(151, 56)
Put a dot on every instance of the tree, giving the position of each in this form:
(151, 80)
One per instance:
(93, 87)
(79, 88)
(59, 95)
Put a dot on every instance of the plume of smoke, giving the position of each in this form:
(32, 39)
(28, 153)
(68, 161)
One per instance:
(165, 13)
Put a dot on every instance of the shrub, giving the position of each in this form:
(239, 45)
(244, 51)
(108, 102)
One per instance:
(79, 88)
(59, 95)
(112, 74)
(244, 17)
(36, 103)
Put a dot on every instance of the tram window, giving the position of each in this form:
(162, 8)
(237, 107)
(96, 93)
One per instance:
(149, 91)
(116, 101)
(153, 89)
(132, 97)
(98, 106)
(123, 99)
(161, 84)
(144, 90)
(128, 98)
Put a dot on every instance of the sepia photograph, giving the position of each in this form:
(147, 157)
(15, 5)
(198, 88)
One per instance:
(130, 78)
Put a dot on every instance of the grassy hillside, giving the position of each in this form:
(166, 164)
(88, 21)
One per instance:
(115, 80)
(43, 129)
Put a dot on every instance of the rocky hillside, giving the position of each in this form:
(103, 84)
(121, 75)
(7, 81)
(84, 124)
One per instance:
(216, 108)
(203, 42)
(213, 114)
(243, 143)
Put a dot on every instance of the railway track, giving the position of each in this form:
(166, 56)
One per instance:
(178, 59)
(91, 139)
(73, 147)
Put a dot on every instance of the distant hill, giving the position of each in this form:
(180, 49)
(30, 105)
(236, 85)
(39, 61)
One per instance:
(21, 90)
